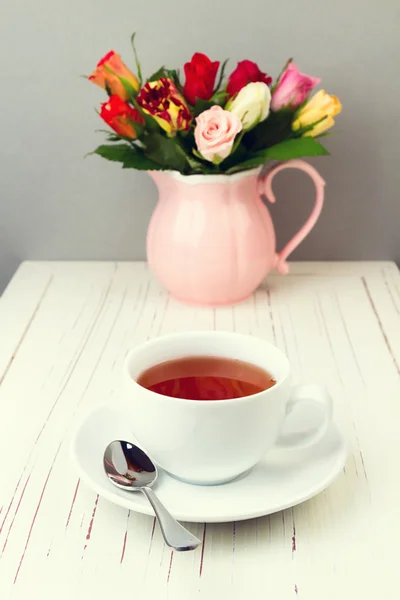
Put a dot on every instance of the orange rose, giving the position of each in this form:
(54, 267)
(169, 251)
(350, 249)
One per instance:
(113, 75)
(120, 116)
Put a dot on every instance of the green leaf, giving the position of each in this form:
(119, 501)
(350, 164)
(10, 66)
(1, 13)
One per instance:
(238, 156)
(203, 166)
(166, 152)
(138, 127)
(302, 130)
(114, 138)
(128, 87)
(109, 92)
(297, 148)
(325, 134)
(117, 153)
(129, 156)
(169, 74)
(220, 98)
(256, 160)
(138, 67)
(201, 106)
(237, 142)
(150, 124)
(197, 166)
(221, 74)
(280, 74)
(174, 75)
(287, 150)
(186, 140)
(161, 72)
(107, 131)
(197, 153)
(137, 160)
(277, 127)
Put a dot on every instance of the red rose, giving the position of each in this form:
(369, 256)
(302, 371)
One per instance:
(200, 78)
(119, 116)
(245, 72)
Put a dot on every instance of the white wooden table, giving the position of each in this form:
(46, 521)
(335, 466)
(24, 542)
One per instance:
(65, 330)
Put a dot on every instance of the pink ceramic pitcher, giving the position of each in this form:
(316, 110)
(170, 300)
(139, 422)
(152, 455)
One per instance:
(211, 240)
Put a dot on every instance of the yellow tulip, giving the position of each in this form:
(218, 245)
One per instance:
(321, 106)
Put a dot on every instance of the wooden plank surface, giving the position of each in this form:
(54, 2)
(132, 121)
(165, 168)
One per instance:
(65, 331)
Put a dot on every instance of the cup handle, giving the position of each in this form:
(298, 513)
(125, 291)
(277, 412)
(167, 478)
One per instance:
(304, 394)
(265, 188)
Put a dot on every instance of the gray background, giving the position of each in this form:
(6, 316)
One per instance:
(56, 205)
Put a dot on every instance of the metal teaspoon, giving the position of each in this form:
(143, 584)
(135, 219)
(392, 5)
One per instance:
(130, 469)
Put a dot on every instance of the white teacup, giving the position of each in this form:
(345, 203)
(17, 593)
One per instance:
(215, 441)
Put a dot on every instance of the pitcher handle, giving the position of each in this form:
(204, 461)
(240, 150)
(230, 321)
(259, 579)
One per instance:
(265, 187)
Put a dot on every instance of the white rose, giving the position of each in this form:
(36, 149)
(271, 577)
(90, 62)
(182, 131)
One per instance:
(251, 104)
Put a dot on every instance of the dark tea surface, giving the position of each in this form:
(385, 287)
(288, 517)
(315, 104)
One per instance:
(206, 378)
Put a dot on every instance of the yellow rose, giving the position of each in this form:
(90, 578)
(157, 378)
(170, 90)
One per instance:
(319, 106)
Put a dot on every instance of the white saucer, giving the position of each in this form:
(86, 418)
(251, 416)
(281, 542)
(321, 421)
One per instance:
(283, 479)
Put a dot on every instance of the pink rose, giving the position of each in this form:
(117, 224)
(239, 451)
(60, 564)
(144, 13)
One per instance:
(293, 88)
(215, 133)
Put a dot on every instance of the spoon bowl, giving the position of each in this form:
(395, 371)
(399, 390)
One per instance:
(129, 468)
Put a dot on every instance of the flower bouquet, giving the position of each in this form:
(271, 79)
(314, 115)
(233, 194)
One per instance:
(203, 138)
(204, 124)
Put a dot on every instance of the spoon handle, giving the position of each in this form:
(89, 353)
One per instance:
(175, 535)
